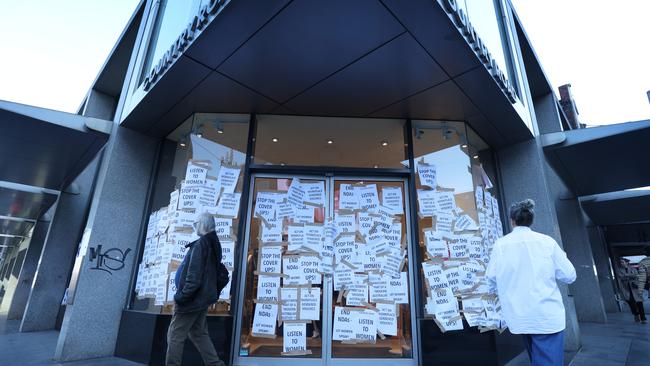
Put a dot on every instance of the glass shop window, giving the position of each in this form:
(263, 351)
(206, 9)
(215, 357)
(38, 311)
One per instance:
(458, 216)
(324, 141)
(200, 170)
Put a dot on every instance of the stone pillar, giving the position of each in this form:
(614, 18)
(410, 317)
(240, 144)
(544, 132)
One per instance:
(58, 254)
(115, 221)
(603, 268)
(26, 276)
(522, 169)
(586, 290)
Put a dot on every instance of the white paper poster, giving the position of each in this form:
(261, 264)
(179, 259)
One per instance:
(223, 226)
(391, 197)
(228, 178)
(229, 204)
(344, 223)
(458, 246)
(358, 294)
(271, 231)
(268, 288)
(171, 286)
(265, 205)
(368, 197)
(364, 325)
(427, 203)
(343, 327)
(270, 259)
(295, 338)
(444, 223)
(445, 202)
(343, 277)
(435, 244)
(309, 269)
(387, 319)
(427, 174)
(310, 303)
(465, 222)
(313, 239)
(303, 214)
(348, 200)
(189, 197)
(296, 193)
(289, 303)
(195, 175)
(291, 268)
(398, 289)
(315, 192)
(284, 209)
(365, 222)
(264, 319)
(435, 276)
(296, 237)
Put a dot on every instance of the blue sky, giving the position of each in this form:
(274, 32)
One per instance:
(52, 51)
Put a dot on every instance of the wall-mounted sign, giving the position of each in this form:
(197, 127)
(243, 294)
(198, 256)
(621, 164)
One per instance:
(194, 28)
(469, 32)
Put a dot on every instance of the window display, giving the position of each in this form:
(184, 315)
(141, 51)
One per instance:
(459, 221)
(207, 170)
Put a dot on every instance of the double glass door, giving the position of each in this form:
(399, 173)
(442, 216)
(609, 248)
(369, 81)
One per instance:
(326, 275)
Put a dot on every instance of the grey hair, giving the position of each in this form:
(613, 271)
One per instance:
(204, 224)
(523, 213)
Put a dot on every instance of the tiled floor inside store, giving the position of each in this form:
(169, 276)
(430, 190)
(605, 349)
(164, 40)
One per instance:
(619, 342)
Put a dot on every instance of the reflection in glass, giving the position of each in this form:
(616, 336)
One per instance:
(200, 170)
(324, 141)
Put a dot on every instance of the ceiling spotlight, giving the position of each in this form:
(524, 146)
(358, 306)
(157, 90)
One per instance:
(418, 133)
(384, 143)
(182, 142)
(329, 142)
(219, 130)
(198, 131)
(275, 139)
(464, 146)
(217, 126)
(375, 166)
(475, 156)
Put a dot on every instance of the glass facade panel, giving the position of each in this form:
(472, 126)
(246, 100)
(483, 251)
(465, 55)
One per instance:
(485, 16)
(200, 170)
(459, 221)
(322, 141)
(172, 18)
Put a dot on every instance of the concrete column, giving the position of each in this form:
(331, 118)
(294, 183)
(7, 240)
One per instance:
(586, 290)
(523, 175)
(26, 276)
(57, 256)
(603, 268)
(118, 211)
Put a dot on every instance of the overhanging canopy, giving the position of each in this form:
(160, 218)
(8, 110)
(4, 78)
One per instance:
(601, 159)
(42, 152)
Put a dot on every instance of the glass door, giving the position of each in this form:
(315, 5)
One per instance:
(326, 273)
(372, 313)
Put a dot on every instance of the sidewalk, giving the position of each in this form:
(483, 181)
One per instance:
(37, 348)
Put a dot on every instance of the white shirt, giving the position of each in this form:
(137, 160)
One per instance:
(524, 267)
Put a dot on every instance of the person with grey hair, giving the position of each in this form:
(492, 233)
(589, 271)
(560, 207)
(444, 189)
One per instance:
(523, 270)
(197, 289)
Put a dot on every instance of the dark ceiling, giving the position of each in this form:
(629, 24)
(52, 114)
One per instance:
(363, 58)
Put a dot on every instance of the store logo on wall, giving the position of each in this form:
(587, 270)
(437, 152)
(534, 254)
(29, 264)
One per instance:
(469, 33)
(109, 261)
(198, 23)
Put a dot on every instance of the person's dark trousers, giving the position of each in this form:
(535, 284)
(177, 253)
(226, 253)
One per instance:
(194, 325)
(636, 307)
(545, 349)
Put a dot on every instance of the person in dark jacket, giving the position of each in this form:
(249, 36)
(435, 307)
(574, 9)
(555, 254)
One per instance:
(196, 291)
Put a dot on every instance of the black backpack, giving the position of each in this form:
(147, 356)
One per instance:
(223, 277)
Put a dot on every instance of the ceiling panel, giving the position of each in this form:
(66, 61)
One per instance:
(214, 94)
(308, 41)
(430, 25)
(395, 71)
(618, 207)
(236, 23)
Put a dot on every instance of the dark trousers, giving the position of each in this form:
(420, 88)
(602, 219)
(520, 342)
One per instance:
(194, 325)
(545, 349)
(637, 308)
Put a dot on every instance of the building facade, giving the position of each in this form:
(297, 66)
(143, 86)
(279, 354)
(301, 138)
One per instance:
(358, 158)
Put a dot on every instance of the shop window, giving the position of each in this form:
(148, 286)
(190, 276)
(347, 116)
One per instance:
(200, 170)
(459, 220)
(335, 142)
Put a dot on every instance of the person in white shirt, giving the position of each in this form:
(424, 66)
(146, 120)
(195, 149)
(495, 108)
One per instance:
(524, 269)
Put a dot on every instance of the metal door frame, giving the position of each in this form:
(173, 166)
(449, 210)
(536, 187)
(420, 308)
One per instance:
(327, 281)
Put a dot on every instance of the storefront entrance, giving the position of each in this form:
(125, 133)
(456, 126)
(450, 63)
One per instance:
(326, 272)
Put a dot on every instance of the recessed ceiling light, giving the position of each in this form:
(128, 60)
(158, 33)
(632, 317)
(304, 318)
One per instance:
(464, 146)
(329, 142)
(220, 130)
(182, 143)
(384, 143)
(375, 166)
(275, 139)
(475, 156)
